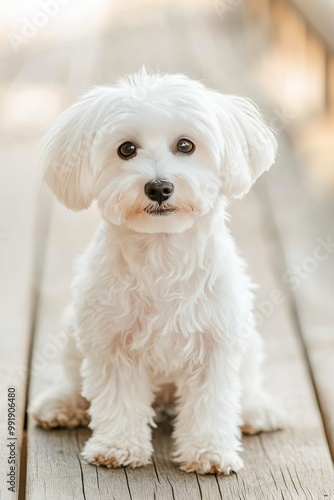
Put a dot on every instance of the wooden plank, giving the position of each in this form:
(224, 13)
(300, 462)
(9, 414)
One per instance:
(22, 229)
(18, 190)
(283, 468)
(305, 226)
(22, 237)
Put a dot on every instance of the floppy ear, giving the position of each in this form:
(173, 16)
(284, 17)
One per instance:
(249, 146)
(66, 151)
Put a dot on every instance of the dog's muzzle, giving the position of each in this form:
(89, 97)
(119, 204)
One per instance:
(159, 190)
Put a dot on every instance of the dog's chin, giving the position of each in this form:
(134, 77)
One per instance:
(160, 221)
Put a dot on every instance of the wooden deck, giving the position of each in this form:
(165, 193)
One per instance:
(278, 226)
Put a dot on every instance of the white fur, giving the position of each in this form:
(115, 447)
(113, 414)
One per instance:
(160, 299)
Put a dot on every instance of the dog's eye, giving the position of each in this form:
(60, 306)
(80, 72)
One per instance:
(127, 150)
(185, 146)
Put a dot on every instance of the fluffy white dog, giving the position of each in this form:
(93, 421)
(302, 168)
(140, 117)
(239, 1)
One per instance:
(161, 294)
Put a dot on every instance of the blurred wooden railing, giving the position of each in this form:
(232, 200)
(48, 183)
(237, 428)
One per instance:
(295, 63)
(319, 18)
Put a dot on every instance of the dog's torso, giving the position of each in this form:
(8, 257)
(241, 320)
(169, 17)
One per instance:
(169, 298)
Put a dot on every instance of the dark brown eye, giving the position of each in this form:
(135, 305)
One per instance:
(185, 146)
(127, 150)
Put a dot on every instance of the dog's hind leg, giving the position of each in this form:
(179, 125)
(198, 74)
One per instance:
(260, 412)
(61, 405)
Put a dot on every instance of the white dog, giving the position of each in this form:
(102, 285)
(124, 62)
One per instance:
(161, 294)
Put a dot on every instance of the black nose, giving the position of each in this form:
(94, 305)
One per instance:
(159, 190)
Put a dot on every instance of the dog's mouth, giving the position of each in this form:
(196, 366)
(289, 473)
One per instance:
(159, 210)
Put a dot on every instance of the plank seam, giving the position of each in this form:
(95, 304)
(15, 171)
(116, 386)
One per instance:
(44, 207)
(173, 494)
(220, 492)
(82, 477)
(127, 482)
(43, 215)
(199, 486)
(23, 467)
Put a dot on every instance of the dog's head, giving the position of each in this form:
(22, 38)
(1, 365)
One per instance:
(156, 152)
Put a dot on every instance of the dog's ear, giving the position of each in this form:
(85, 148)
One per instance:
(249, 146)
(66, 153)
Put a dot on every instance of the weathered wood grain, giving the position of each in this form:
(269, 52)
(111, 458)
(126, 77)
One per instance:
(22, 236)
(18, 190)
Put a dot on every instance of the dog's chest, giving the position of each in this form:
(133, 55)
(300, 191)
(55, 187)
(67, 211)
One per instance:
(167, 296)
(167, 277)
(169, 288)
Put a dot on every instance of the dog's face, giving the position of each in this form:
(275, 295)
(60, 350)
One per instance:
(156, 152)
(158, 173)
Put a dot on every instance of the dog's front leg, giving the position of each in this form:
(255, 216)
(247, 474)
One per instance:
(120, 396)
(207, 434)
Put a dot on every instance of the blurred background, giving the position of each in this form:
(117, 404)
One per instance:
(52, 50)
(280, 53)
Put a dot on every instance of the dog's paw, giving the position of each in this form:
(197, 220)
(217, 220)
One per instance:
(101, 450)
(262, 414)
(211, 462)
(51, 410)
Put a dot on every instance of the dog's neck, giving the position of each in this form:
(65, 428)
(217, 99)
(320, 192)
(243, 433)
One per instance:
(166, 252)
